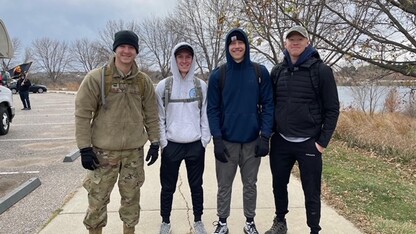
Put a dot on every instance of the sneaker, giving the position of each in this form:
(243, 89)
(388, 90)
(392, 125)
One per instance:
(278, 227)
(199, 228)
(250, 228)
(24, 108)
(221, 227)
(165, 228)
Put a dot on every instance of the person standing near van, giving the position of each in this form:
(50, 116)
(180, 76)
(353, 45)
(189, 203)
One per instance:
(23, 84)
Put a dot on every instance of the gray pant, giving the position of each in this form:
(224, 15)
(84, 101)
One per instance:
(240, 155)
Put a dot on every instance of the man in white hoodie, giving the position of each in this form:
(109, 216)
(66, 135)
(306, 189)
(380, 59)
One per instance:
(184, 133)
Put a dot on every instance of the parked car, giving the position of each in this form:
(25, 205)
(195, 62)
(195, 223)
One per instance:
(35, 88)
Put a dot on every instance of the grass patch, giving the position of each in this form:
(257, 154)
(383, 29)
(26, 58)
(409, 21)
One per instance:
(367, 182)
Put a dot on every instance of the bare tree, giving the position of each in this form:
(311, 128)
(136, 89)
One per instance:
(52, 57)
(107, 34)
(386, 32)
(158, 37)
(7, 64)
(28, 55)
(267, 21)
(368, 92)
(379, 32)
(264, 27)
(87, 54)
(204, 26)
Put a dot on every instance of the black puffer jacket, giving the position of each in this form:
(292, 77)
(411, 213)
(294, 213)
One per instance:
(300, 110)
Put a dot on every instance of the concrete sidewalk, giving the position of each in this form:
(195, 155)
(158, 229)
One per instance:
(69, 220)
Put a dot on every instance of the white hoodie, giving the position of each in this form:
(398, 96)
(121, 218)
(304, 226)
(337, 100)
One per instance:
(183, 122)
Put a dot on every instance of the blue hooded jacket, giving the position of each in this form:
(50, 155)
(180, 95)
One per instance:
(233, 113)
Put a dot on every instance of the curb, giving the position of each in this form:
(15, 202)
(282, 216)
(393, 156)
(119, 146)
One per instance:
(18, 193)
(72, 156)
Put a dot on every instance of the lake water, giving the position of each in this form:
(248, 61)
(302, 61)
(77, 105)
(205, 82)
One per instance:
(347, 95)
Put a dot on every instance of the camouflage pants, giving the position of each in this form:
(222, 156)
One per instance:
(128, 166)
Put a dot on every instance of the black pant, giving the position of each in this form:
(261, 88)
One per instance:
(194, 155)
(283, 155)
(24, 96)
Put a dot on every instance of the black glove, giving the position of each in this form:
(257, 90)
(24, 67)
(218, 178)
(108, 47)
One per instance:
(220, 151)
(153, 153)
(262, 147)
(88, 159)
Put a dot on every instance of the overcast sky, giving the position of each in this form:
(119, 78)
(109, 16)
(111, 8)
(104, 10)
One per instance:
(73, 19)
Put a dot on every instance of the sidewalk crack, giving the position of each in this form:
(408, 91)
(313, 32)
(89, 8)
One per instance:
(186, 203)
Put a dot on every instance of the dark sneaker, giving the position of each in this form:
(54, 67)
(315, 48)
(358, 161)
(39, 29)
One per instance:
(250, 228)
(278, 227)
(221, 228)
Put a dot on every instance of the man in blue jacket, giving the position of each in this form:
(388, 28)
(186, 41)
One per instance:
(240, 116)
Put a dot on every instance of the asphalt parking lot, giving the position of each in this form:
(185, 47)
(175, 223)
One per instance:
(35, 147)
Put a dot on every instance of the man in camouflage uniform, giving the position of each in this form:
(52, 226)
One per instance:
(113, 122)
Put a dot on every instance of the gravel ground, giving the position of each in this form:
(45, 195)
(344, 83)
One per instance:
(37, 142)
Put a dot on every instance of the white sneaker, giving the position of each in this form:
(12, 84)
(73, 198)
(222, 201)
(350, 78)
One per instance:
(199, 228)
(250, 228)
(165, 228)
(221, 228)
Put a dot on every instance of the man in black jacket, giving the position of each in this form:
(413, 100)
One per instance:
(23, 85)
(306, 113)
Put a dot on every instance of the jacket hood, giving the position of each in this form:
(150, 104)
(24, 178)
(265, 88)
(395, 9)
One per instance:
(174, 66)
(309, 52)
(240, 35)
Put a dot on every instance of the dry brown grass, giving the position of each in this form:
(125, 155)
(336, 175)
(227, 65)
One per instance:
(69, 86)
(390, 135)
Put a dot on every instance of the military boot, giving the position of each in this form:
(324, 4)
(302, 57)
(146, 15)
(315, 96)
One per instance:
(128, 230)
(95, 230)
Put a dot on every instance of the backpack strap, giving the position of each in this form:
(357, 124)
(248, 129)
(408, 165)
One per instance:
(198, 91)
(168, 92)
(107, 82)
(223, 71)
(315, 79)
(275, 74)
(257, 70)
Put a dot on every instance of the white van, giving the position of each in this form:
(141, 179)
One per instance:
(7, 110)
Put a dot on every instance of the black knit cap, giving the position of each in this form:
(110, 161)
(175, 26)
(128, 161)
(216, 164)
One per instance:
(126, 37)
(235, 35)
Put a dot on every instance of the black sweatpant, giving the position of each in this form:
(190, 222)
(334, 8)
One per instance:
(283, 155)
(172, 155)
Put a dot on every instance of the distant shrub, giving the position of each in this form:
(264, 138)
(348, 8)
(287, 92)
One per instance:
(392, 101)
